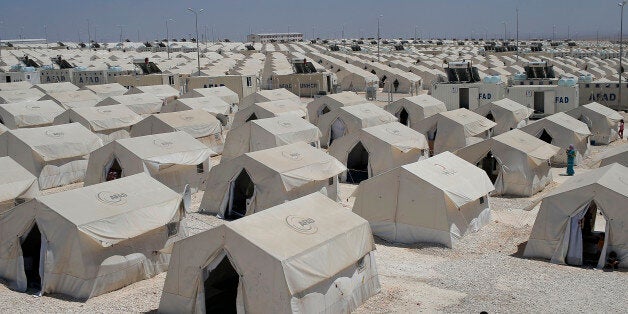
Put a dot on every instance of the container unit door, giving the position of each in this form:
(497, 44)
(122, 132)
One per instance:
(474, 98)
(550, 106)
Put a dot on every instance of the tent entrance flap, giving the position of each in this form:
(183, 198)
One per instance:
(490, 165)
(357, 164)
(251, 117)
(545, 137)
(221, 288)
(586, 237)
(403, 116)
(113, 170)
(338, 130)
(241, 192)
(31, 254)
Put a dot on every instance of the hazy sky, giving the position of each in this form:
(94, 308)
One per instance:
(67, 19)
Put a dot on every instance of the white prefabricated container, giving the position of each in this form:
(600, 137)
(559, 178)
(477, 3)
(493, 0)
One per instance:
(545, 99)
(468, 95)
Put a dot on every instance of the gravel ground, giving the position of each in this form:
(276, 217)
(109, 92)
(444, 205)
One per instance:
(482, 272)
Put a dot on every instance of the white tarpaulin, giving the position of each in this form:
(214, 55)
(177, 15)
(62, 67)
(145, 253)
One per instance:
(175, 159)
(607, 188)
(29, 114)
(277, 174)
(56, 155)
(96, 239)
(352, 118)
(17, 185)
(435, 200)
(316, 258)
(601, 120)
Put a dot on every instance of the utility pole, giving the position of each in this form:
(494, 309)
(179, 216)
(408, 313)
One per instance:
(621, 48)
(415, 28)
(46, 34)
(168, 38)
(378, 37)
(504, 31)
(198, 52)
(517, 43)
(89, 35)
(120, 26)
(554, 32)
(1, 23)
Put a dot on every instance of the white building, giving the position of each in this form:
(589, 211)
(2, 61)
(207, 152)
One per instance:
(274, 37)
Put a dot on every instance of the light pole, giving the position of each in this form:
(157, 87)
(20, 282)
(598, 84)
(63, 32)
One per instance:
(517, 39)
(621, 47)
(46, 35)
(168, 38)
(120, 26)
(1, 23)
(380, 16)
(198, 52)
(504, 31)
(554, 32)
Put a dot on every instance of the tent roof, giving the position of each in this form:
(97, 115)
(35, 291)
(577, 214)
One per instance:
(136, 98)
(21, 95)
(158, 90)
(369, 111)
(187, 118)
(425, 101)
(277, 94)
(302, 225)
(150, 146)
(59, 141)
(603, 110)
(519, 111)
(613, 177)
(107, 88)
(211, 103)
(14, 179)
(568, 122)
(528, 144)
(107, 117)
(28, 108)
(473, 122)
(345, 98)
(460, 180)
(282, 106)
(117, 210)
(284, 124)
(223, 92)
(398, 135)
(15, 85)
(298, 156)
(56, 87)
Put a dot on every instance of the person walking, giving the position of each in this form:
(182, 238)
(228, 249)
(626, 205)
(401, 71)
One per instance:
(621, 129)
(571, 159)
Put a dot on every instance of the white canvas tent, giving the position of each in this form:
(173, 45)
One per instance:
(17, 185)
(601, 121)
(618, 155)
(564, 228)
(15, 85)
(20, 95)
(308, 255)
(327, 103)
(508, 114)
(108, 122)
(92, 240)
(140, 103)
(516, 162)
(166, 92)
(453, 130)
(3, 129)
(56, 155)
(562, 130)
(410, 110)
(199, 123)
(268, 133)
(56, 87)
(29, 114)
(212, 104)
(435, 200)
(350, 119)
(258, 180)
(377, 149)
(269, 109)
(269, 95)
(222, 92)
(107, 90)
(73, 99)
(175, 159)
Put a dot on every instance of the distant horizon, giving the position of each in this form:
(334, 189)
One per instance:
(145, 20)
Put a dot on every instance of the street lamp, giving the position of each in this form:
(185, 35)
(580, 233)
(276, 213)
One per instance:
(504, 30)
(198, 52)
(168, 38)
(1, 23)
(120, 26)
(621, 47)
(554, 32)
(380, 16)
(46, 35)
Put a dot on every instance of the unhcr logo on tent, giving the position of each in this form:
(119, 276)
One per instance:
(293, 155)
(393, 131)
(446, 171)
(104, 110)
(187, 118)
(33, 107)
(303, 225)
(285, 124)
(112, 198)
(54, 134)
(162, 143)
